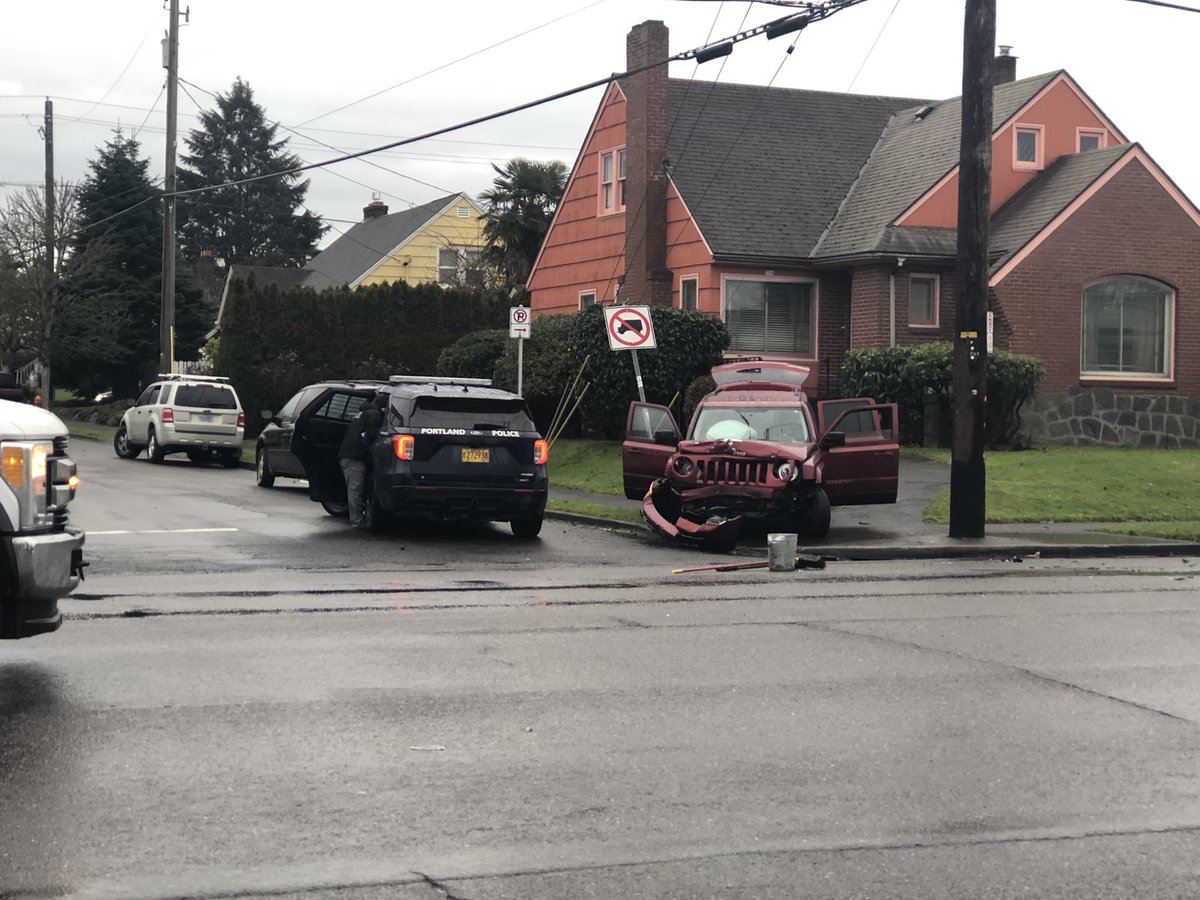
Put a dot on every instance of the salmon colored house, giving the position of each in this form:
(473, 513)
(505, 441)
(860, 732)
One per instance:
(814, 222)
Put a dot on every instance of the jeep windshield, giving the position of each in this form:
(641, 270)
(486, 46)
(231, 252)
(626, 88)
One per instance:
(751, 423)
(472, 413)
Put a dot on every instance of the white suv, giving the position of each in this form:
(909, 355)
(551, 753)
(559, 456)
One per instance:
(199, 415)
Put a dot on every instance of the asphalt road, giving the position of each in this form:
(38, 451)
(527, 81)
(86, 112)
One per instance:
(248, 699)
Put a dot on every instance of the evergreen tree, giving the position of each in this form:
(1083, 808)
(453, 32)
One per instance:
(520, 205)
(120, 238)
(256, 222)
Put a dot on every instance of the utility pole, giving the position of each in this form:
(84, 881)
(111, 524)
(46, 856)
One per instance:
(166, 329)
(968, 496)
(48, 235)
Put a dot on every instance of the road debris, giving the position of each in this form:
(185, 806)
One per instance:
(803, 561)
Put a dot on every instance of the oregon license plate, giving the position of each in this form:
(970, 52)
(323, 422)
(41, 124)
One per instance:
(473, 455)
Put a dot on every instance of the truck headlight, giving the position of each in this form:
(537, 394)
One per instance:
(24, 467)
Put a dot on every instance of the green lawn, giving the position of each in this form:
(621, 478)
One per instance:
(585, 465)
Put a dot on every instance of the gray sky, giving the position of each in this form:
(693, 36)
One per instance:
(101, 64)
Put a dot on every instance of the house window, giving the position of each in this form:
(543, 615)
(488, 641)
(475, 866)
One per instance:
(612, 181)
(586, 299)
(923, 291)
(771, 316)
(1027, 147)
(1089, 139)
(459, 266)
(688, 292)
(1127, 325)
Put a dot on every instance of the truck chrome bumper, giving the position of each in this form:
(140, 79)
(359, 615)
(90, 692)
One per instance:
(48, 566)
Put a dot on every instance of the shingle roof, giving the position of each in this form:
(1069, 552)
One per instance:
(264, 275)
(367, 243)
(1037, 204)
(763, 170)
(912, 155)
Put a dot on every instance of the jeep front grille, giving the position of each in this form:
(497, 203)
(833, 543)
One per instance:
(733, 471)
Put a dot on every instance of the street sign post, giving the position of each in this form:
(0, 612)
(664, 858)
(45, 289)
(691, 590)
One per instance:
(519, 326)
(631, 328)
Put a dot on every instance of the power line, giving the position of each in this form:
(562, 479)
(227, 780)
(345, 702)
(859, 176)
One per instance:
(117, 81)
(1179, 6)
(874, 44)
(449, 64)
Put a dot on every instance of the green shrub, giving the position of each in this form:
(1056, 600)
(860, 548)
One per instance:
(700, 388)
(921, 377)
(474, 355)
(548, 367)
(689, 343)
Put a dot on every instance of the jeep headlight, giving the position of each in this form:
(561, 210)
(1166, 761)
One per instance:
(786, 471)
(683, 466)
(24, 468)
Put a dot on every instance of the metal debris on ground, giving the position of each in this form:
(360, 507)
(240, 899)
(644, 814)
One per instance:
(803, 561)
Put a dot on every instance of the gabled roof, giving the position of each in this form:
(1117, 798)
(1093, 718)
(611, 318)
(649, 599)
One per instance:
(1038, 203)
(914, 153)
(763, 170)
(368, 243)
(264, 275)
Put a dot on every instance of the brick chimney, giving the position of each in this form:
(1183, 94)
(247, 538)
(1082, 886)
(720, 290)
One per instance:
(375, 208)
(1004, 66)
(647, 278)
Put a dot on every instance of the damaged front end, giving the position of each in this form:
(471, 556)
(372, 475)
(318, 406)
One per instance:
(711, 487)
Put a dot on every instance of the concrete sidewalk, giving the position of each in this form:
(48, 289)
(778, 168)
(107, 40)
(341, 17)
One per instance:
(895, 531)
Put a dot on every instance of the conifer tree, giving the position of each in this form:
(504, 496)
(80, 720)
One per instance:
(255, 222)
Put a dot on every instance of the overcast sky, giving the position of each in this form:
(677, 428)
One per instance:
(308, 63)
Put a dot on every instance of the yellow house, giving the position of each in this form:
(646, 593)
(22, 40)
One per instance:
(439, 242)
(436, 243)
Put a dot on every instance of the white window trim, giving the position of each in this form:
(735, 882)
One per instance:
(937, 300)
(694, 278)
(617, 182)
(592, 293)
(816, 311)
(461, 267)
(1039, 162)
(1101, 133)
(1168, 339)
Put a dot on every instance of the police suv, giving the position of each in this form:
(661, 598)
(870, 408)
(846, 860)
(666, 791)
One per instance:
(449, 449)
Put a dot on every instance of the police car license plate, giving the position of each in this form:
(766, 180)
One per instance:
(205, 417)
(472, 455)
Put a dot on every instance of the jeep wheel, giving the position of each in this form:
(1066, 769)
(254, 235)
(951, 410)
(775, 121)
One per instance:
(813, 521)
(526, 529)
(122, 446)
(263, 475)
(154, 450)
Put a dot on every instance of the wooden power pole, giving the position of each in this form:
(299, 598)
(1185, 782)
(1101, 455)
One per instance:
(166, 329)
(48, 236)
(968, 496)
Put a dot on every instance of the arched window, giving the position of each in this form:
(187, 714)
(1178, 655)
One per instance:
(1127, 324)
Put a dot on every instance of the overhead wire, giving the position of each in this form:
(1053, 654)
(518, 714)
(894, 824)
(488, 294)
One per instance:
(451, 63)
(112, 86)
(874, 44)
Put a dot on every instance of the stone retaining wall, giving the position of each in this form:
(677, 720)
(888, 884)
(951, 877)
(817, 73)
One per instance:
(1102, 416)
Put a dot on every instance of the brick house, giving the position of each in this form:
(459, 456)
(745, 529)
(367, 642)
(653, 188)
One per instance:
(816, 222)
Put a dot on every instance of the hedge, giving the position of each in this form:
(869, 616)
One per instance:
(274, 342)
(911, 376)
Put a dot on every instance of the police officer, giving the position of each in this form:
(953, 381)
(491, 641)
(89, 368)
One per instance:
(353, 455)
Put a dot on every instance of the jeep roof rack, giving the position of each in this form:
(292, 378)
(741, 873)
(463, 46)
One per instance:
(437, 379)
(179, 376)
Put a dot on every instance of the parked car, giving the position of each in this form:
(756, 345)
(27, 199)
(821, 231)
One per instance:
(754, 451)
(41, 554)
(274, 454)
(450, 449)
(11, 390)
(199, 415)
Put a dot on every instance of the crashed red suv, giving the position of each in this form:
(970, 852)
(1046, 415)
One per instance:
(754, 451)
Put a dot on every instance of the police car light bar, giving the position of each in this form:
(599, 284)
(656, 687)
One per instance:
(431, 379)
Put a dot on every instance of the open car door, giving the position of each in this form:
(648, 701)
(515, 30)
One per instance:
(318, 434)
(860, 446)
(651, 436)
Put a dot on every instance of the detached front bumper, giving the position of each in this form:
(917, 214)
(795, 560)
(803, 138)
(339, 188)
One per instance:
(663, 510)
(45, 567)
